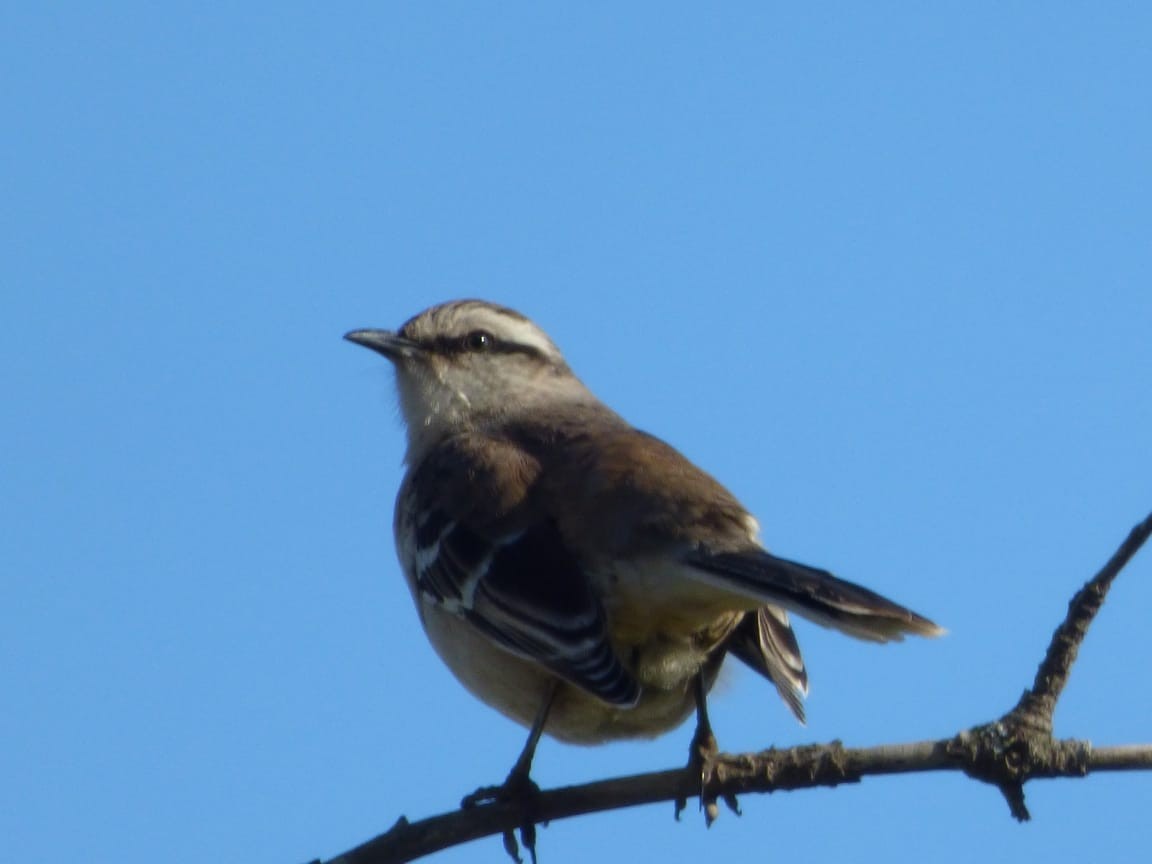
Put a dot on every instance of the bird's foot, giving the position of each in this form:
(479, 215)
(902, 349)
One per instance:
(702, 753)
(520, 790)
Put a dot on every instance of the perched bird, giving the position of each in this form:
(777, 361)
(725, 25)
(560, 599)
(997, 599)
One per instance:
(579, 575)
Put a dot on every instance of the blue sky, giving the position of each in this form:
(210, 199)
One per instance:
(883, 269)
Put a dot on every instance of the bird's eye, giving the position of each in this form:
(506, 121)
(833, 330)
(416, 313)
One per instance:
(478, 340)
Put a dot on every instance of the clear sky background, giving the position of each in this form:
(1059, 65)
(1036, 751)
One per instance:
(884, 270)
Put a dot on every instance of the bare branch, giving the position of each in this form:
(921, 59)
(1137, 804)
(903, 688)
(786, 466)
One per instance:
(770, 771)
(1037, 705)
(1018, 744)
(1006, 753)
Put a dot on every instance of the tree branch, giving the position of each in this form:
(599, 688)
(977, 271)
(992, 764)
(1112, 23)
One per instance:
(1006, 753)
(1038, 704)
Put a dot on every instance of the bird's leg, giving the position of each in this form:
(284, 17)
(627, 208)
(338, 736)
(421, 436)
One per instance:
(519, 778)
(701, 751)
(519, 786)
(703, 745)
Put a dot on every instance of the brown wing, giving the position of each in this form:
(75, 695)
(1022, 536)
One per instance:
(629, 496)
(482, 554)
(625, 493)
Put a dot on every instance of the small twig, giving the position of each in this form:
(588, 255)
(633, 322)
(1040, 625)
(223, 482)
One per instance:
(1037, 705)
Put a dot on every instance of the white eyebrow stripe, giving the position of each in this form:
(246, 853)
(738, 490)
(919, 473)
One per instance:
(514, 330)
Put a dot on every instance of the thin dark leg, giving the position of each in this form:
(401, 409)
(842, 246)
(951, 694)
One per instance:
(519, 786)
(701, 751)
(703, 744)
(523, 766)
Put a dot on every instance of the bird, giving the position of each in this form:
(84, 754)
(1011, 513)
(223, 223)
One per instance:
(581, 576)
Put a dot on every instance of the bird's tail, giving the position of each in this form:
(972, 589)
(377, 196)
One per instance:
(811, 593)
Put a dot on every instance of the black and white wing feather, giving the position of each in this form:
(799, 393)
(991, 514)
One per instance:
(526, 593)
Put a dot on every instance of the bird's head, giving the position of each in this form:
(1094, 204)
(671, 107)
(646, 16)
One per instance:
(468, 362)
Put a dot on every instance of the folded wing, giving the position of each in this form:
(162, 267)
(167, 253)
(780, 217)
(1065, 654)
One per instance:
(527, 594)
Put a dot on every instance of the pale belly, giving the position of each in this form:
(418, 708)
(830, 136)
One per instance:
(517, 688)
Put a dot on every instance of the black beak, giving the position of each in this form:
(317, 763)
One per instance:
(391, 345)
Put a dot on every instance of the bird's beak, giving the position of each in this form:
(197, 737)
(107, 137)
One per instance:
(392, 345)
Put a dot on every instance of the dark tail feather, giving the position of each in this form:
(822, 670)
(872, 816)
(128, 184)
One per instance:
(764, 641)
(814, 594)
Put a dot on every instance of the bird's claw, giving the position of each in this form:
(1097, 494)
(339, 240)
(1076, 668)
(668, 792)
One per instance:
(519, 789)
(702, 753)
